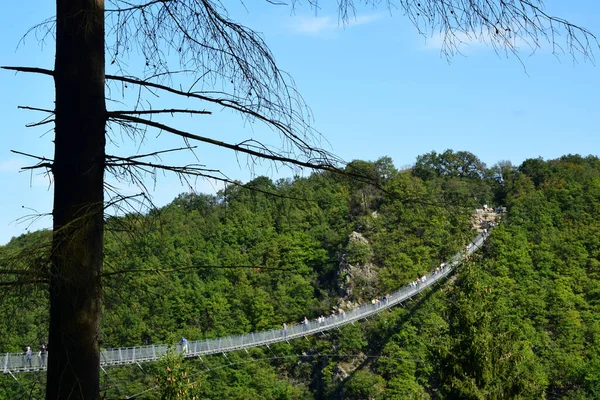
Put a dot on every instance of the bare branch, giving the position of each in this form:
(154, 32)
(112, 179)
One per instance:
(183, 172)
(120, 198)
(234, 104)
(157, 153)
(133, 7)
(167, 271)
(34, 70)
(249, 147)
(46, 28)
(507, 25)
(35, 109)
(116, 161)
(320, 164)
(24, 282)
(39, 165)
(166, 111)
(42, 122)
(30, 155)
(217, 51)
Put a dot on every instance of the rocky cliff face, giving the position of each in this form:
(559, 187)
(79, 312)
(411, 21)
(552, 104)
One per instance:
(484, 218)
(357, 275)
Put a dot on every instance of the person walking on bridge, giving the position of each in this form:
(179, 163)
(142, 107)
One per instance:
(28, 357)
(43, 354)
(184, 345)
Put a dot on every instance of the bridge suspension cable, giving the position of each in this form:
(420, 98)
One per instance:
(11, 363)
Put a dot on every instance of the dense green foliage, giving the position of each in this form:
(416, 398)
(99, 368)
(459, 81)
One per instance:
(519, 321)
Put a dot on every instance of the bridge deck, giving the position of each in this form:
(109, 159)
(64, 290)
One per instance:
(17, 362)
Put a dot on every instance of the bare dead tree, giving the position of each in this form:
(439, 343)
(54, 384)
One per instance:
(191, 49)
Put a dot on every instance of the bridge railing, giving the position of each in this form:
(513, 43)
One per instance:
(17, 362)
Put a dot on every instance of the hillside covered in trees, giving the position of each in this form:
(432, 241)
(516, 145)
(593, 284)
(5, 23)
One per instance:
(521, 320)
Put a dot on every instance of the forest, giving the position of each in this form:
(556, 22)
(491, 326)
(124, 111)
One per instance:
(519, 320)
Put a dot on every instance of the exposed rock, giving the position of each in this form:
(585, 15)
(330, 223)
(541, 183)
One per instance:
(339, 374)
(484, 218)
(357, 275)
(343, 369)
(357, 237)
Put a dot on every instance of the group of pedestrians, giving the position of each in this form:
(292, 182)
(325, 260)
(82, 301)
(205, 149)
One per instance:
(305, 324)
(378, 301)
(319, 321)
(42, 355)
(439, 269)
(419, 281)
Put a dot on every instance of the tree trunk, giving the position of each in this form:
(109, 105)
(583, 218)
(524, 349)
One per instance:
(76, 259)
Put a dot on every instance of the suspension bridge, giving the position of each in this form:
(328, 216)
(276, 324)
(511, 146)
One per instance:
(11, 363)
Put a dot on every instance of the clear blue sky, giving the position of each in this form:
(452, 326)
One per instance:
(376, 87)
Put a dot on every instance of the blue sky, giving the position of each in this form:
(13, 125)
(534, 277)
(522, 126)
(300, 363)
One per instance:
(376, 88)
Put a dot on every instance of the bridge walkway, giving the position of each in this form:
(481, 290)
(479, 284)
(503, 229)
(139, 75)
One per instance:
(17, 362)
